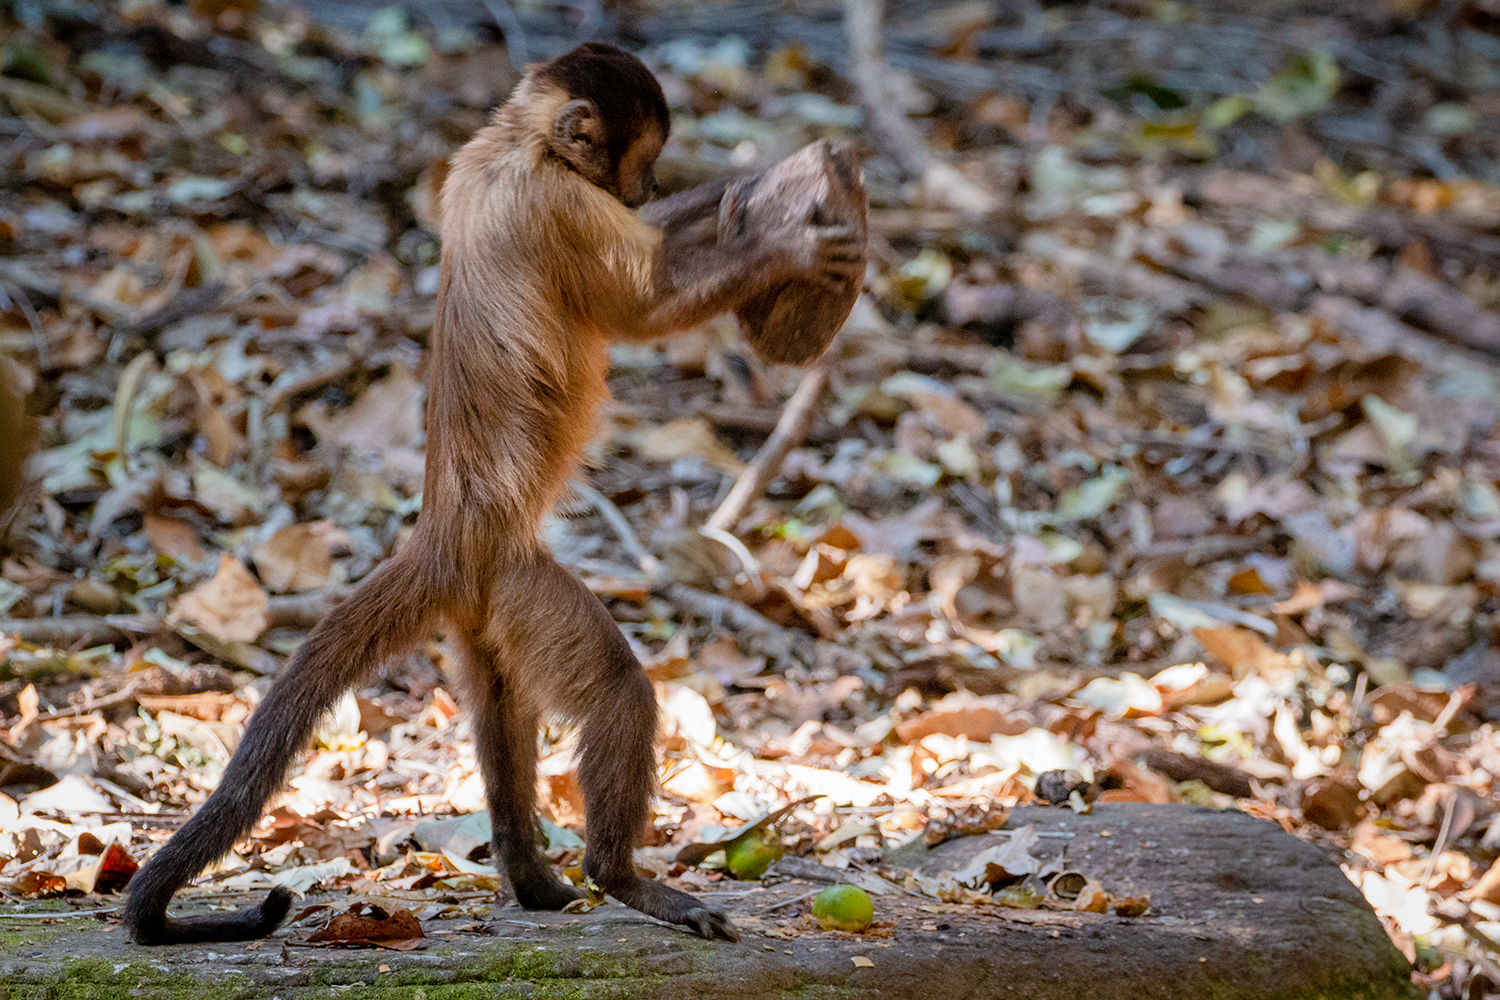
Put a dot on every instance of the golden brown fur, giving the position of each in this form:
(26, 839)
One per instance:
(543, 266)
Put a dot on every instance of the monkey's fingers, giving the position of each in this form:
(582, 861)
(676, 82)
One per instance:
(846, 231)
(843, 266)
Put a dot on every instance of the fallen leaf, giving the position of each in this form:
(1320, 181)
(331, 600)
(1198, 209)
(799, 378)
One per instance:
(304, 877)
(687, 438)
(231, 607)
(386, 415)
(399, 930)
(1242, 651)
(39, 884)
(116, 867)
(1004, 863)
(963, 714)
(173, 537)
(294, 560)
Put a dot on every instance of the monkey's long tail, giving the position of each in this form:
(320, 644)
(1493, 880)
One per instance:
(390, 612)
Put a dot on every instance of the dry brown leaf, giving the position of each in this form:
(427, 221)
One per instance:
(950, 413)
(386, 415)
(1381, 847)
(39, 884)
(688, 438)
(231, 607)
(618, 588)
(399, 930)
(1488, 886)
(205, 706)
(294, 560)
(173, 537)
(109, 874)
(1331, 803)
(1242, 651)
(721, 659)
(963, 714)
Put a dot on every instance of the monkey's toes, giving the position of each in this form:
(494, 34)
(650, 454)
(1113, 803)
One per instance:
(546, 894)
(710, 924)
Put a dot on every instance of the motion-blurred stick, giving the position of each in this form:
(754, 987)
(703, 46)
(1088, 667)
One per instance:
(892, 131)
(796, 420)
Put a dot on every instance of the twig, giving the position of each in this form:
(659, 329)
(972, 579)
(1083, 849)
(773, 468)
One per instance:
(38, 335)
(792, 427)
(886, 878)
(741, 552)
(1442, 839)
(125, 694)
(1180, 767)
(293, 611)
(891, 130)
(648, 563)
(186, 302)
(789, 902)
(515, 35)
(56, 916)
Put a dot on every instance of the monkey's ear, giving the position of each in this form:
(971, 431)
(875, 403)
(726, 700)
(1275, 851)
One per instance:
(578, 133)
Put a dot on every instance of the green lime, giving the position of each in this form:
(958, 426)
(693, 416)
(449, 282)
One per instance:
(843, 908)
(752, 854)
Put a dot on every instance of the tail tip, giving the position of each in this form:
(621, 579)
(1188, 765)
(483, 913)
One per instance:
(274, 908)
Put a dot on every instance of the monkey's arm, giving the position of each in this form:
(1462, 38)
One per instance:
(784, 249)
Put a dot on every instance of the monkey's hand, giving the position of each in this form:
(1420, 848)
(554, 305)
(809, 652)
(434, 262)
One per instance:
(807, 214)
(791, 235)
(783, 249)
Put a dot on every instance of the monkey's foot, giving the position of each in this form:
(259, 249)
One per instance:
(665, 903)
(540, 890)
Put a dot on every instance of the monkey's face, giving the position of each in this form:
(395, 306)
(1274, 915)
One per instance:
(636, 172)
(623, 165)
(615, 119)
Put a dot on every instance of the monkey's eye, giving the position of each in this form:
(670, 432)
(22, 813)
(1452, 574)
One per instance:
(819, 216)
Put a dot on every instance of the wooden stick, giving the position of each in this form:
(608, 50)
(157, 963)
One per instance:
(889, 127)
(294, 611)
(612, 515)
(796, 419)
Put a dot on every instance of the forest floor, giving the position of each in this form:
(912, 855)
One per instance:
(1163, 446)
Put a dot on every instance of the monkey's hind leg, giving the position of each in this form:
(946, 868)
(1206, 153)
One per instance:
(505, 742)
(557, 639)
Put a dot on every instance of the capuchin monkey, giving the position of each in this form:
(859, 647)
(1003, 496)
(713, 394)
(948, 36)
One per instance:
(544, 265)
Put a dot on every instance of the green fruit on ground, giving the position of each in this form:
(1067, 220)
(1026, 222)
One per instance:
(843, 908)
(751, 855)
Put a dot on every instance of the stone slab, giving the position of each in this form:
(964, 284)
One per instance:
(1239, 911)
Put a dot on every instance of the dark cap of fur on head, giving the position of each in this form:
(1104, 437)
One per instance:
(618, 84)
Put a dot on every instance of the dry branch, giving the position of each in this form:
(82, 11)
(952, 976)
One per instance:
(1241, 190)
(891, 130)
(1180, 767)
(796, 419)
(294, 611)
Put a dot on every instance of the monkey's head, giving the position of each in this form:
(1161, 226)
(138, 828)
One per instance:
(614, 122)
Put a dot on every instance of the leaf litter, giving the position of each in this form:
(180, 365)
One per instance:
(1178, 476)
